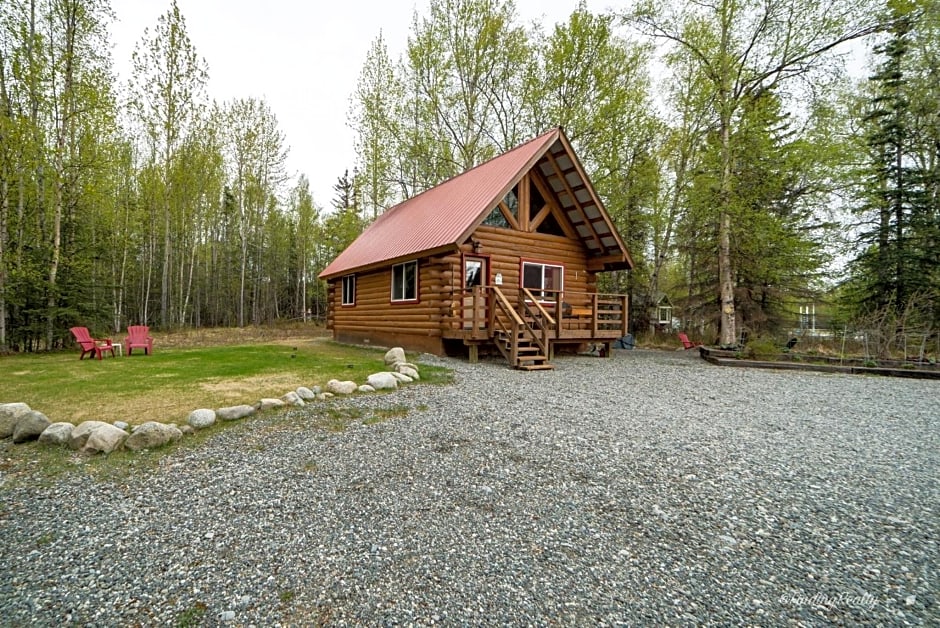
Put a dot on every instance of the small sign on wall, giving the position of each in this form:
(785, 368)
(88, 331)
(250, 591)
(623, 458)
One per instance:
(498, 280)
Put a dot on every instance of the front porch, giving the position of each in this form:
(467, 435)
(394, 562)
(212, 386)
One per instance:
(527, 333)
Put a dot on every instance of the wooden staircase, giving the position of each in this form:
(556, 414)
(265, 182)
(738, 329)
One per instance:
(524, 344)
(526, 355)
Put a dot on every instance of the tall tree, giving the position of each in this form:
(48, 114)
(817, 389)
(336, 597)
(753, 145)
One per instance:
(372, 116)
(899, 248)
(167, 98)
(742, 48)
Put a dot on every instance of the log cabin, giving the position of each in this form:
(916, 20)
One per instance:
(505, 256)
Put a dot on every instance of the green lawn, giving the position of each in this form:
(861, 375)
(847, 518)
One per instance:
(169, 384)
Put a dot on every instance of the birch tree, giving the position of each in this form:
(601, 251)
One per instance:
(745, 47)
(167, 99)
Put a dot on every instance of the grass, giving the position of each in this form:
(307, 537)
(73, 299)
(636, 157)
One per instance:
(175, 380)
(169, 384)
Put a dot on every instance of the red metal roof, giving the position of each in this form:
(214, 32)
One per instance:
(441, 216)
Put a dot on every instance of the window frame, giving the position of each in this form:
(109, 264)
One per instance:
(347, 295)
(667, 310)
(539, 292)
(404, 298)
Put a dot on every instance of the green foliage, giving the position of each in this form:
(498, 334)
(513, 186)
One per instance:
(761, 348)
(898, 252)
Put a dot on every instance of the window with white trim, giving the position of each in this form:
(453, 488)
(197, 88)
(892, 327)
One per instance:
(405, 281)
(349, 290)
(539, 278)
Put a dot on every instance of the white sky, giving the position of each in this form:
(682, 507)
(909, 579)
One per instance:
(303, 57)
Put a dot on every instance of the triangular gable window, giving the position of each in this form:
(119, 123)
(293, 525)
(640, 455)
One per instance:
(496, 219)
(512, 202)
(550, 226)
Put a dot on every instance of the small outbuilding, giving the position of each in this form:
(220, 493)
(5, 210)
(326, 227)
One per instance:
(505, 255)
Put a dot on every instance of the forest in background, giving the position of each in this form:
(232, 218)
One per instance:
(749, 173)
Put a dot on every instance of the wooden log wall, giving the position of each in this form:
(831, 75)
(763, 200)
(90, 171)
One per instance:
(506, 248)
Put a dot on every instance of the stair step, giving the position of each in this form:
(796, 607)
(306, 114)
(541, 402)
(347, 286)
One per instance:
(536, 367)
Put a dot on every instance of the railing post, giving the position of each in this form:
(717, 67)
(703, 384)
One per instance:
(475, 315)
(595, 314)
(623, 315)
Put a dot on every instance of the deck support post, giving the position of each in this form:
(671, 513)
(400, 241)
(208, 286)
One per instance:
(474, 353)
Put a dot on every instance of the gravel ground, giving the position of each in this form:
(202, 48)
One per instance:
(649, 488)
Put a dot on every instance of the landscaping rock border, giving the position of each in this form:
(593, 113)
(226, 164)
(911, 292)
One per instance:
(24, 424)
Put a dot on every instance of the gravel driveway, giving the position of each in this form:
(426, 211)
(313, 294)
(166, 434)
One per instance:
(649, 488)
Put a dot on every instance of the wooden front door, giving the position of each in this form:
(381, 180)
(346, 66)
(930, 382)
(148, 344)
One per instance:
(475, 274)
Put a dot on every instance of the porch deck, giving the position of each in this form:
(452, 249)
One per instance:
(538, 322)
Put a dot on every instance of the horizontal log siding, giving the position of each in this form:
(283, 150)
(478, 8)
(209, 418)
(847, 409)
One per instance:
(374, 319)
(507, 248)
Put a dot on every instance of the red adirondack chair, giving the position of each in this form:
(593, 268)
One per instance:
(686, 343)
(138, 336)
(95, 346)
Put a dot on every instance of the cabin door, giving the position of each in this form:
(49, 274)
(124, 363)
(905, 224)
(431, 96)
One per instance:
(475, 273)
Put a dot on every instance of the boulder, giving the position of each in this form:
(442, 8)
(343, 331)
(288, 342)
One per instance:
(382, 381)
(341, 388)
(83, 430)
(394, 356)
(151, 434)
(235, 412)
(401, 377)
(325, 395)
(30, 426)
(201, 418)
(410, 372)
(268, 402)
(293, 399)
(306, 394)
(121, 425)
(92, 437)
(58, 433)
(398, 367)
(10, 413)
(365, 388)
(187, 430)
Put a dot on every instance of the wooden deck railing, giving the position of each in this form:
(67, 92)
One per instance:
(601, 314)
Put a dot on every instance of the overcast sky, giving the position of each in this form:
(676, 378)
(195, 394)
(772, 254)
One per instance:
(302, 57)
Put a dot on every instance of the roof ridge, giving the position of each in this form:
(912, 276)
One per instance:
(465, 172)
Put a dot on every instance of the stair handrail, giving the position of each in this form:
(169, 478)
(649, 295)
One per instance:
(543, 321)
(495, 323)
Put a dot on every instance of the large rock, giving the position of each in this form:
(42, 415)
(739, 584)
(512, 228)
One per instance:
(382, 381)
(306, 394)
(30, 426)
(202, 418)
(151, 434)
(293, 399)
(341, 388)
(10, 414)
(269, 402)
(93, 437)
(404, 379)
(235, 412)
(58, 433)
(394, 357)
(365, 388)
(405, 369)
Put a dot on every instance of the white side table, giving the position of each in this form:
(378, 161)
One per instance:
(117, 346)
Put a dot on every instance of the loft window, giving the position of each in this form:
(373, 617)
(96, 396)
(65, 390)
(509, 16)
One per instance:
(665, 314)
(512, 202)
(496, 219)
(349, 290)
(405, 281)
(542, 278)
